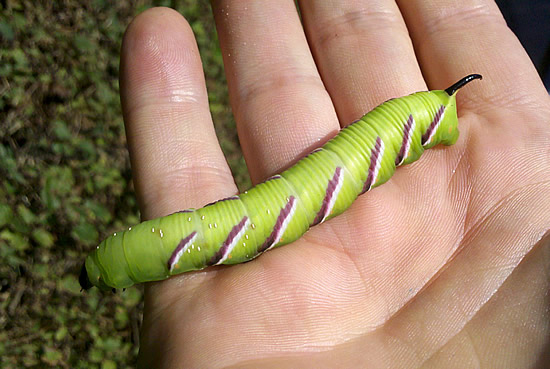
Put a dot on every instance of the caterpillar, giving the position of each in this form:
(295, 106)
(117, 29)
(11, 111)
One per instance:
(280, 210)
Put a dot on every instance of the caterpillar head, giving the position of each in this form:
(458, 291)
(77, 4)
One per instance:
(90, 276)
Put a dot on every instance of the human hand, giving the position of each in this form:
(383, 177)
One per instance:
(446, 265)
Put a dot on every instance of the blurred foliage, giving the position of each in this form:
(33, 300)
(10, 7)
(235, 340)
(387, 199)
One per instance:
(65, 179)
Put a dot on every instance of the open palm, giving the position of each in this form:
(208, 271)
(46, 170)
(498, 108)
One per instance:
(445, 266)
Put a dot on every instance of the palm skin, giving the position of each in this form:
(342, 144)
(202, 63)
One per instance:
(446, 265)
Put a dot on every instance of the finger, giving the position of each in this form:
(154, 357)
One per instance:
(176, 159)
(455, 38)
(363, 51)
(280, 104)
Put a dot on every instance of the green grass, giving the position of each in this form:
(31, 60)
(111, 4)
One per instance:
(65, 179)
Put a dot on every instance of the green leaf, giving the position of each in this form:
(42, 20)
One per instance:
(85, 233)
(132, 296)
(41, 270)
(108, 364)
(58, 183)
(6, 214)
(69, 284)
(95, 355)
(112, 344)
(30, 361)
(61, 333)
(92, 299)
(121, 317)
(20, 59)
(8, 255)
(98, 211)
(19, 225)
(98, 4)
(87, 148)
(45, 78)
(83, 43)
(43, 237)
(51, 356)
(15, 240)
(61, 130)
(6, 31)
(26, 214)
(19, 20)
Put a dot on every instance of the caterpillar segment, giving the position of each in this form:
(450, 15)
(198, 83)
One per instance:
(278, 211)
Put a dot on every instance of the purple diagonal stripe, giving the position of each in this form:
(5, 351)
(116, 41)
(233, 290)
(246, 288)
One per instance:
(276, 176)
(406, 143)
(281, 224)
(184, 211)
(375, 161)
(235, 197)
(180, 249)
(331, 193)
(432, 128)
(319, 149)
(229, 244)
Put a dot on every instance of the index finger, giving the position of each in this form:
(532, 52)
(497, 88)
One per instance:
(176, 160)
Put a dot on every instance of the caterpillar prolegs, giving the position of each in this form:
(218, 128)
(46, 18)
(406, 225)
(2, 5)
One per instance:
(280, 210)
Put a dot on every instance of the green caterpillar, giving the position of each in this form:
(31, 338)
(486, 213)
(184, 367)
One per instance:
(281, 209)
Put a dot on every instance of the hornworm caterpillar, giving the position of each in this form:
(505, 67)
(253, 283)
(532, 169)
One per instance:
(280, 210)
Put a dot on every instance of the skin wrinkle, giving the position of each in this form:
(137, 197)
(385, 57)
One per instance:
(463, 154)
(468, 236)
(347, 252)
(402, 301)
(173, 304)
(181, 152)
(477, 356)
(472, 231)
(439, 22)
(438, 272)
(407, 346)
(508, 101)
(415, 349)
(165, 64)
(441, 351)
(354, 23)
(277, 81)
(174, 179)
(469, 210)
(429, 281)
(364, 279)
(187, 150)
(537, 244)
(167, 101)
